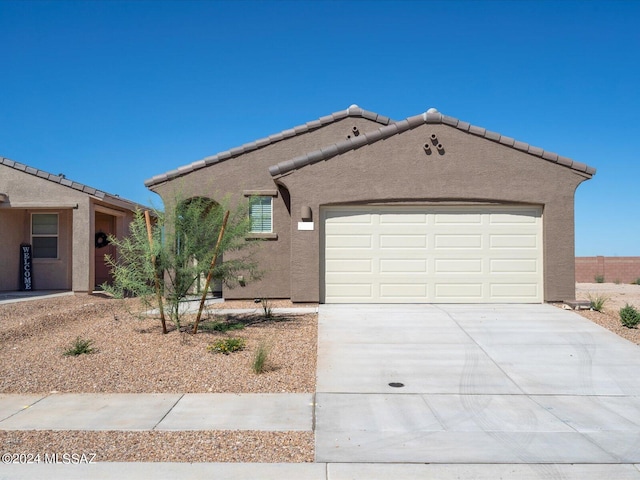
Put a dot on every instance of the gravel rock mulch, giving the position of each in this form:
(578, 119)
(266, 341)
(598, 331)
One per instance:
(133, 356)
(617, 295)
(154, 446)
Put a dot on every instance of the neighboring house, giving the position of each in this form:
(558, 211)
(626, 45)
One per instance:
(354, 207)
(65, 222)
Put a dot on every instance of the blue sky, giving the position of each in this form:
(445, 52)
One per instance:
(113, 92)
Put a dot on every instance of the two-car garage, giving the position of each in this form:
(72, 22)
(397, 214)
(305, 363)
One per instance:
(433, 254)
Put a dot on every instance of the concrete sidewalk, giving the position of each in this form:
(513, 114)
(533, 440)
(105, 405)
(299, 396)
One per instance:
(315, 471)
(192, 306)
(20, 296)
(192, 411)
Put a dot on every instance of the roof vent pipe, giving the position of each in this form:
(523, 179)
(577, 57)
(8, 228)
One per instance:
(440, 148)
(434, 139)
(427, 148)
(355, 131)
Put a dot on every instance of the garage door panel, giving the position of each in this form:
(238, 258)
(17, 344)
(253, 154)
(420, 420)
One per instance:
(507, 291)
(458, 241)
(458, 219)
(426, 254)
(404, 291)
(404, 265)
(347, 265)
(513, 241)
(459, 291)
(514, 265)
(458, 265)
(524, 217)
(403, 241)
(348, 241)
(399, 219)
(346, 218)
(349, 291)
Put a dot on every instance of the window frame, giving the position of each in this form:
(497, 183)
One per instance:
(262, 235)
(267, 205)
(45, 235)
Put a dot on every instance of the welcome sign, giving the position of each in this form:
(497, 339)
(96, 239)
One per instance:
(26, 267)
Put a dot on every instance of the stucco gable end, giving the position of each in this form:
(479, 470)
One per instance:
(352, 111)
(431, 116)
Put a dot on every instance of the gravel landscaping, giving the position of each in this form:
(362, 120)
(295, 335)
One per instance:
(201, 446)
(133, 356)
(617, 295)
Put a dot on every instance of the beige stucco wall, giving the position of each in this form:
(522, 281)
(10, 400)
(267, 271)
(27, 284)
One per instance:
(250, 172)
(27, 194)
(11, 235)
(472, 170)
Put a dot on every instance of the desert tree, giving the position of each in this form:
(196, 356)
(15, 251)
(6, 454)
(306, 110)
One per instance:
(183, 240)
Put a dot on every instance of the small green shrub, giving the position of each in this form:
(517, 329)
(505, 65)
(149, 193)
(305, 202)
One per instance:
(597, 302)
(267, 307)
(629, 316)
(617, 281)
(79, 346)
(227, 345)
(637, 282)
(221, 326)
(599, 278)
(260, 357)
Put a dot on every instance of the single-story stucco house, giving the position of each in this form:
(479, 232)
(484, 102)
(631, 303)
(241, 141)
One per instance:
(66, 224)
(354, 207)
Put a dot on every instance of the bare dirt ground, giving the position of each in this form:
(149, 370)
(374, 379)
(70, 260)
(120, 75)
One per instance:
(617, 295)
(133, 356)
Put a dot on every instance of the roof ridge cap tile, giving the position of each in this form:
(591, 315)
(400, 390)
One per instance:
(352, 111)
(435, 117)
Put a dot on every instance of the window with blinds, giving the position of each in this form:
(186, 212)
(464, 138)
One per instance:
(261, 214)
(44, 235)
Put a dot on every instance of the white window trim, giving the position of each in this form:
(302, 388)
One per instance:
(46, 235)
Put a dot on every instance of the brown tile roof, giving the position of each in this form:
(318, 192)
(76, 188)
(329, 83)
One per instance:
(62, 180)
(352, 111)
(431, 116)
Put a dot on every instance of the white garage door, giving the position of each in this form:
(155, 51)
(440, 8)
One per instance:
(460, 254)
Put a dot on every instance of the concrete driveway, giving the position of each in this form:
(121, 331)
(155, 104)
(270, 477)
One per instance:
(528, 384)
